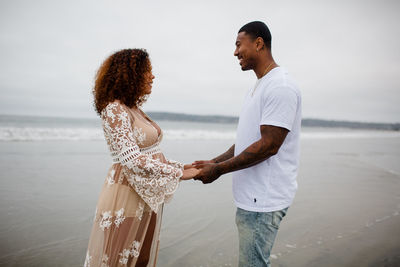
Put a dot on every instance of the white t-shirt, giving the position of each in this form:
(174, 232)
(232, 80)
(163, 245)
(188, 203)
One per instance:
(270, 185)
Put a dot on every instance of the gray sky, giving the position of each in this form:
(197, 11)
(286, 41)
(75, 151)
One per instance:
(343, 54)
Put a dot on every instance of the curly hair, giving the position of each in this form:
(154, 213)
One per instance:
(122, 77)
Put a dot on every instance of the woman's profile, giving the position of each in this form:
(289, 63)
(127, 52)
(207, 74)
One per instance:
(128, 214)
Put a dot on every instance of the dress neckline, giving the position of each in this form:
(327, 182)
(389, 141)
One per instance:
(148, 120)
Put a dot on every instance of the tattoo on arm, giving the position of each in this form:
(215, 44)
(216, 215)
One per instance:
(225, 156)
(271, 139)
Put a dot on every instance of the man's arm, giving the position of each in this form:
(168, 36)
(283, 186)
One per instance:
(271, 140)
(225, 156)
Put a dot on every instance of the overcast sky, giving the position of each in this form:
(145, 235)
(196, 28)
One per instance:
(343, 54)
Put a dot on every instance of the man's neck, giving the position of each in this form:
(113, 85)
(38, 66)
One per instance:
(266, 65)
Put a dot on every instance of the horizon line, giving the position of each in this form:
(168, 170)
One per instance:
(196, 115)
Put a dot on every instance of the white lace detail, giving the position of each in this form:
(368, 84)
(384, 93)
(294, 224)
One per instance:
(107, 218)
(110, 178)
(124, 256)
(151, 150)
(87, 260)
(105, 221)
(104, 261)
(139, 135)
(174, 163)
(129, 155)
(132, 251)
(150, 178)
(120, 179)
(110, 181)
(135, 249)
(133, 153)
(120, 217)
(139, 211)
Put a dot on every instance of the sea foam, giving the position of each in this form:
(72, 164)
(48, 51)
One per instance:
(92, 133)
(77, 134)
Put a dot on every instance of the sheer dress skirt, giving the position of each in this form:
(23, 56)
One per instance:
(121, 225)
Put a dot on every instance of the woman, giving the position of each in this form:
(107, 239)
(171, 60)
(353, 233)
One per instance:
(128, 214)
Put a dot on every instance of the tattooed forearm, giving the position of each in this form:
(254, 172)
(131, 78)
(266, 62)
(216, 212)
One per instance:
(254, 154)
(225, 156)
(271, 139)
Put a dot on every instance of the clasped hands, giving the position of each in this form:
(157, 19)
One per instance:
(203, 170)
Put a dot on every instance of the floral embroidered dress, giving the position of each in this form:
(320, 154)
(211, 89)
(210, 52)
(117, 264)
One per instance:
(129, 210)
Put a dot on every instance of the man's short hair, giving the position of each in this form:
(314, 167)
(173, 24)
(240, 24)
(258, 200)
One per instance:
(258, 29)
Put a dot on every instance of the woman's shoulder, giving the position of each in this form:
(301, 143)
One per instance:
(112, 108)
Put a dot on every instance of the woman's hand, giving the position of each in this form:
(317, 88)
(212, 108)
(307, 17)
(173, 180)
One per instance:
(187, 166)
(189, 173)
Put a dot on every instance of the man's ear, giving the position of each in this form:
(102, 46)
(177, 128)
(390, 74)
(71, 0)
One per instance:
(260, 43)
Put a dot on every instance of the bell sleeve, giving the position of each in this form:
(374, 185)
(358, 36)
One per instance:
(150, 178)
(175, 164)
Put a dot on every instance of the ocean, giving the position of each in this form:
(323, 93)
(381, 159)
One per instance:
(346, 211)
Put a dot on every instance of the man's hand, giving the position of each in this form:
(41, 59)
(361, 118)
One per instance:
(208, 172)
(201, 163)
(268, 145)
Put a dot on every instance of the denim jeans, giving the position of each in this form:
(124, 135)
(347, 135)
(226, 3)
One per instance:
(257, 232)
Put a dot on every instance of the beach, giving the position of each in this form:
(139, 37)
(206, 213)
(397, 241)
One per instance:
(345, 213)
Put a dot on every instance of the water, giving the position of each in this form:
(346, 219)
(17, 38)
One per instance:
(52, 171)
(19, 128)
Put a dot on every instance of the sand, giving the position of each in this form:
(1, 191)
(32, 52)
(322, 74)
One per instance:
(346, 211)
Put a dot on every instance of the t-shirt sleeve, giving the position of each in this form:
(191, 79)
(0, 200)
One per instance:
(279, 108)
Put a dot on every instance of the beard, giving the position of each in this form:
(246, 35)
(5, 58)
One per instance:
(244, 68)
(247, 66)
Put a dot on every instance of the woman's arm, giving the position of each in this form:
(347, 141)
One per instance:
(150, 178)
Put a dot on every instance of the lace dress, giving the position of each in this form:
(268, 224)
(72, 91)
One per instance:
(128, 214)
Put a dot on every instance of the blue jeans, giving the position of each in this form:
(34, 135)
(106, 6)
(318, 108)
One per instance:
(257, 232)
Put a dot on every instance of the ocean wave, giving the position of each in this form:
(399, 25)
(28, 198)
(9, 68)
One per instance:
(49, 134)
(351, 134)
(82, 134)
(198, 134)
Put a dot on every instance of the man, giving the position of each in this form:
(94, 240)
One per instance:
(265, 156)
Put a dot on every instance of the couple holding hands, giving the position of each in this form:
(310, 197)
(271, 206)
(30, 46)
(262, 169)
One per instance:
(264, 159)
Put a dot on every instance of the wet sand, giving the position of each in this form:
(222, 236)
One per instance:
(346, 211)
